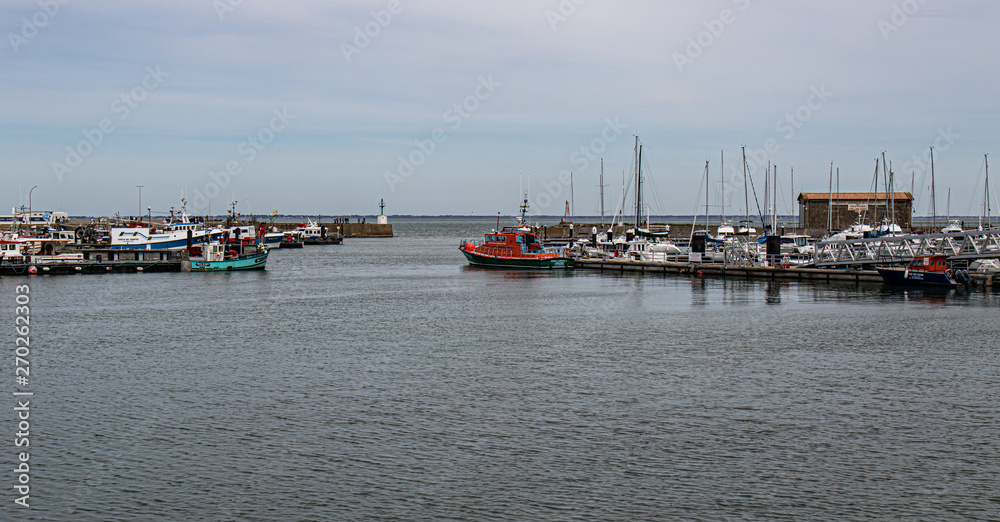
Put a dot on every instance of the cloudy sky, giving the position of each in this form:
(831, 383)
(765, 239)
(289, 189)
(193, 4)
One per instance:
(449, 107)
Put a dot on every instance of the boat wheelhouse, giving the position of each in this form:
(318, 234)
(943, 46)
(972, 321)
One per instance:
(313, 233)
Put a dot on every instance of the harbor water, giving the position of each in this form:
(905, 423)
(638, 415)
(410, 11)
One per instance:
(385, 378)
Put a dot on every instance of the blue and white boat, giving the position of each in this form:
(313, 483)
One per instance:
(148, 238)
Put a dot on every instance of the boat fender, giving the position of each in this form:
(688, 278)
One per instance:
(32, 270)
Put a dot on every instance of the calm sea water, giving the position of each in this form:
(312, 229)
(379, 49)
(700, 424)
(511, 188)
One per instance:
(384, 378)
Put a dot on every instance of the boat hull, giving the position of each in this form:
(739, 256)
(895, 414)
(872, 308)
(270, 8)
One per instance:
(250, 262)
(902, 276)
(328, 240)
(478, 259)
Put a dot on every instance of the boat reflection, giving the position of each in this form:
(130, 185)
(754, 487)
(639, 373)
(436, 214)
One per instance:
(518, 274)
(925, 294)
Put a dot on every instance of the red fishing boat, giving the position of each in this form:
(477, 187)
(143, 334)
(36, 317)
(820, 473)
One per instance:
(929, 270)
(513, 247)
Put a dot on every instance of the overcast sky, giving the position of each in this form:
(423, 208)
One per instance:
(449, 107)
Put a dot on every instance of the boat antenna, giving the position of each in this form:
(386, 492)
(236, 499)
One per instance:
(524, 210)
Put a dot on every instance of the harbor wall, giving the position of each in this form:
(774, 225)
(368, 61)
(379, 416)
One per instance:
(361, 229)
(356, 230)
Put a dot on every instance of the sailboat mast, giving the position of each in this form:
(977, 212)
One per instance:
(885, 182)
(838, 197)
(638, 185)
(892, 199)
(829, 205)
(774, 204)
(746, 197)
(767, 197)
(986, 193)
(722, 170)
(635, 158)
(933, 196)
(706, 196)
(602, 194)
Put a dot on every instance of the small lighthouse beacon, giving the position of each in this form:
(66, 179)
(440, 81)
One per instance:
(381, 219)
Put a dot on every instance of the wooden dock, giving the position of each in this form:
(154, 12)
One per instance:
(745, 272)
(715, 269)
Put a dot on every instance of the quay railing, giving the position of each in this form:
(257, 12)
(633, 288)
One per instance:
(958, 246)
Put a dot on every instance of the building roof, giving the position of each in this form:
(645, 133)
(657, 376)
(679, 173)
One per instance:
(854, 196)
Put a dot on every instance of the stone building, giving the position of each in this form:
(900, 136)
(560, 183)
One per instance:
(849, 208)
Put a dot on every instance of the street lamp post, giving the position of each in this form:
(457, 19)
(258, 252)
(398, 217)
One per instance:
(29, 207)
(140, 201)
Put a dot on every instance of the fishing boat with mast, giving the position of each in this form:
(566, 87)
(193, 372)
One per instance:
(173, 234)
(513, 247)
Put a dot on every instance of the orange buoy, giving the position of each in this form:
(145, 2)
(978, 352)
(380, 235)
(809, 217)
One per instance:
(32, 270)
